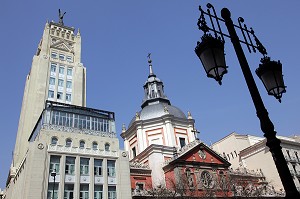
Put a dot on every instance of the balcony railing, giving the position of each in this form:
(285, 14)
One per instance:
(246, 172)
(79, 131)
(77, 150)
(292, 159)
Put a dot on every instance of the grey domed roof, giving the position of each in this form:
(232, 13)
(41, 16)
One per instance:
(157, 110)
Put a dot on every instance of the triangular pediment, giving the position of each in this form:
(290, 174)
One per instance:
(62, 45)
(198, 153)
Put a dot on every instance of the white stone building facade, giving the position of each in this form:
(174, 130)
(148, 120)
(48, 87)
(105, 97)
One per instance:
(64, 150)
(251, 152)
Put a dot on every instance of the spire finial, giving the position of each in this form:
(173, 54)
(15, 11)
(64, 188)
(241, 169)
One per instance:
(189, 115)
(137, 116)
(61, 17)
(150, 63)
(123, 128)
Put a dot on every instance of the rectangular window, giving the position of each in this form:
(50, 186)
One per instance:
(112, 194)
(296, 154)
(69, 84)
(55, 117)
(69, 191)
(98, 192)
(84, 166)
(68, 97)
(53, 67)
(133, 151)
(59, 95)
(61, 83)
(69, 118)
(84, 191)
(61, 70)
(76, 119)
(69, 58)
(288, 153)
(182, 142)
(54, 164)
(69, 71)
(52, 81)
(111, 168)
(97, 167)
(54, 55)
(62, 118)
(70, 165)
(50, 194)
(82, 122)
(62, 57)
(50, 94)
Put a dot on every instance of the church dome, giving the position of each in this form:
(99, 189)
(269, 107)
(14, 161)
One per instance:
(158, 110)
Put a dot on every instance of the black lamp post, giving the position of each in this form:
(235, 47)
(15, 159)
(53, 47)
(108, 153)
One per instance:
(53, 174)
(211, 53)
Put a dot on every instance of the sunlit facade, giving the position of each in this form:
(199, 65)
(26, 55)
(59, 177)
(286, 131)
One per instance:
(63, 149)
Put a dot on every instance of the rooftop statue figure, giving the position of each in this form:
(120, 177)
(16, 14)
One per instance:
(61, 17)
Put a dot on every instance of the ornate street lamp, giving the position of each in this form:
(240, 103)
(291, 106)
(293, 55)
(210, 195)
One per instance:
(270, 73)
(53, 174)
(211, 53)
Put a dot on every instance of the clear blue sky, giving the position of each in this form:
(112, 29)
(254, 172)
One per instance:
(116, 37)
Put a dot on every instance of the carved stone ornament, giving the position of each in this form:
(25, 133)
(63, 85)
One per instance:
(124, 154)
(207, 180)
(202, 154)
(45, 57)
(40, 146)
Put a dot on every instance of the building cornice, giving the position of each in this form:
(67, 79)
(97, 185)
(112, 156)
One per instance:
(152, 149)
(156, 121)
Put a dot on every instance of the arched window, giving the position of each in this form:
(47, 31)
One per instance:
(68, 142)
(106, 146)
(54, 141)
(95, 145)
(81, 144)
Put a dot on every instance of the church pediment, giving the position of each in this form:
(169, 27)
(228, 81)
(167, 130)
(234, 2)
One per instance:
(197, 153)
(202, 153)
(62, 45)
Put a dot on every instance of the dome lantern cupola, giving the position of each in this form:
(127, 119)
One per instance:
(153, 88)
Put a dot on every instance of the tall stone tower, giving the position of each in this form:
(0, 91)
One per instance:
(56, 74)
(63, 148)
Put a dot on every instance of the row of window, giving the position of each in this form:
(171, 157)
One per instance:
(83, 191)
(64, 34)
(61, 56)
(228, 155)
(77, 121)
(84, 166)
(60, 82)
(68, 143)
(296, 154)
(61, 69)
(60, 95)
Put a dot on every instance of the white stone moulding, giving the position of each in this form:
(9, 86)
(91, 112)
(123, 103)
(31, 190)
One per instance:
(80, 131)
(77, 150)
